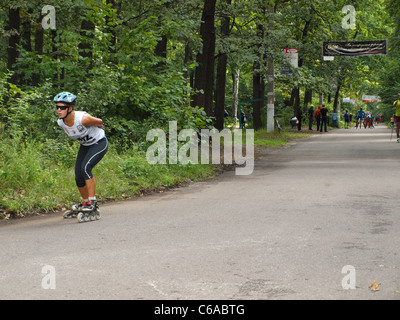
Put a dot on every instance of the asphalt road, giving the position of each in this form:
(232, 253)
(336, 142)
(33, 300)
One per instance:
(287, 231)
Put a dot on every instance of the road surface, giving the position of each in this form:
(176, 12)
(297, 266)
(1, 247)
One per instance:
(318, 219)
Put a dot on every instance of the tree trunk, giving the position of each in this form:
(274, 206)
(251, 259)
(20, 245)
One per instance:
(296, 101)
(39, 42)
(271, 78)
(161, 51)
(307, 97)
(161, 47)
(13, 42)
(55, 56)
(235, 102)
(204, 74)
(26, 32)
(258, 93)
(26, 44)
(220, 92)
(336, 100)
(296, 91)
(258, 83)
(221, 76)
(85, 45)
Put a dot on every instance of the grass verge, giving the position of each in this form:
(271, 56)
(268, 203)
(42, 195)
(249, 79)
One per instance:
(276, 139)
(35, 179)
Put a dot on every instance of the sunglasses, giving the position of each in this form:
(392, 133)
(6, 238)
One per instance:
(62, 107)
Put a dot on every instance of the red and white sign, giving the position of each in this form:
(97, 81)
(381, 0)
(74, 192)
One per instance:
(293, 55)
(367, 99)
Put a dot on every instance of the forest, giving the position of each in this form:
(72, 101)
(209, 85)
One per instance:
(140, 64)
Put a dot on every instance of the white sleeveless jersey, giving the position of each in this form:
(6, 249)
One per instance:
(85, 135)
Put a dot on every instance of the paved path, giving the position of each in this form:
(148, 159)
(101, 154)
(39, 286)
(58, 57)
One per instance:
(284, 232)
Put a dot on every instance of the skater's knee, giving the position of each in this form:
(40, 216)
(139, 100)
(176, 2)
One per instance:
(80, 182)
(82, 175)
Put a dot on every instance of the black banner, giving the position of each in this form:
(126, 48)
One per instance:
(354, 48)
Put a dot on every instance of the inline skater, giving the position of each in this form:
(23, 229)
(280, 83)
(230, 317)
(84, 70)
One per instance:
(347, 120)
(81, 126)
(360, 116)
(367, 121)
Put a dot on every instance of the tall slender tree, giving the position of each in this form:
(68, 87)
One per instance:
(204, 74)
(258, 80)
(221, 72)
(14, 24)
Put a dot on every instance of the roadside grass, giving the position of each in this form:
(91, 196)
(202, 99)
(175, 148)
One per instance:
(272, 139)
(34, 179)
(38, 177)
(276, 139)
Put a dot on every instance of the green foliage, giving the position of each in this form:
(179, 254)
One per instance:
(24, 173)
(27, 113)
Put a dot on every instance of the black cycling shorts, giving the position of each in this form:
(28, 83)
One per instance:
(88, 157)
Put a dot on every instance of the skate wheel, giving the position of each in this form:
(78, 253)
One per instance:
(86, 217)
(67, 215)
(70, 214)
(80, 217)
(92, 216)
(98, 214)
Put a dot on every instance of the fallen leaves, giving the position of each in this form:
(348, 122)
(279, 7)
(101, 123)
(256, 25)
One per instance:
(374, 286)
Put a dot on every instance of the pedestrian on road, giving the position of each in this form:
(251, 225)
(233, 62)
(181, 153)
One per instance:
(318, 117)
(378, 118)
(396, 106)
(324, 118)
(81, 126)
(360, 117)
(242, 120)
(346, 120)
(310, 117)
(299, 118)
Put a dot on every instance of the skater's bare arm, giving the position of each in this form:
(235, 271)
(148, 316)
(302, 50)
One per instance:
(89, 121)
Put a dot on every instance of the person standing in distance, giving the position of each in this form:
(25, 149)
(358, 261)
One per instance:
(324, 118)
(88, 130)
(396, 106)
(310, 117)
(318, 117)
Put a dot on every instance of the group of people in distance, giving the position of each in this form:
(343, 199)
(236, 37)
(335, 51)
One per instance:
(364, 118)
(321, 117)
(367, 119)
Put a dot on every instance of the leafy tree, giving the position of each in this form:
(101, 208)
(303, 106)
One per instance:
(139, 64)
